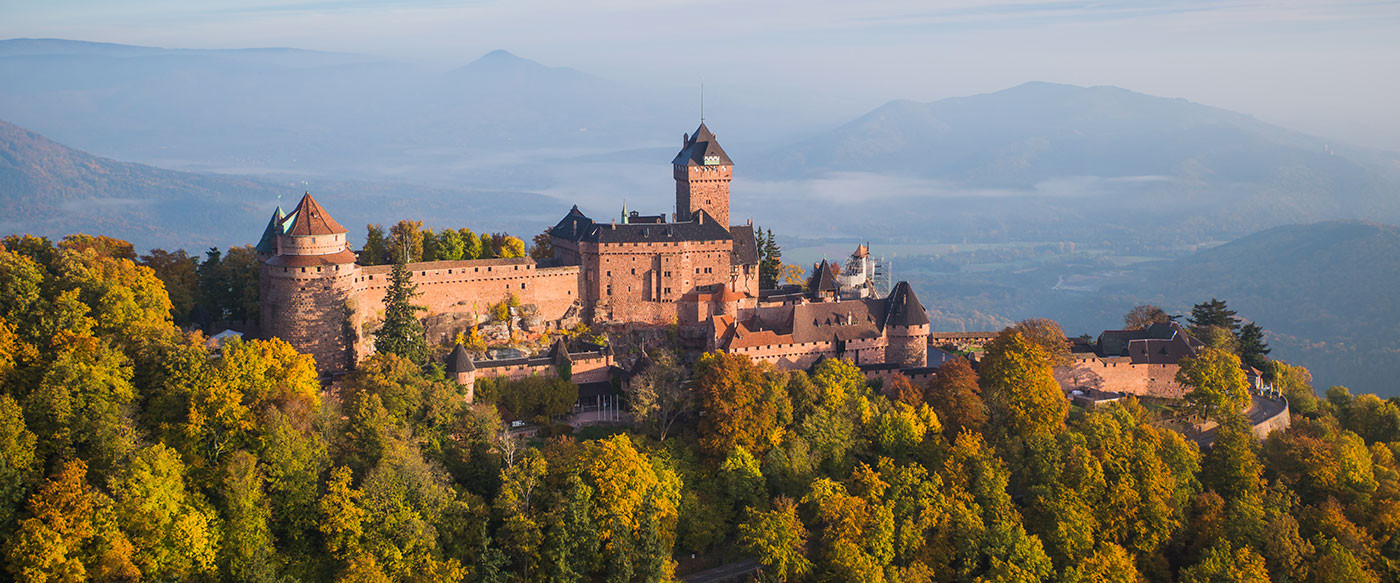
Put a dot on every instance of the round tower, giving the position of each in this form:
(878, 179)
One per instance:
(461, 369)
(306, 284)
(702, 171)
(906, 328)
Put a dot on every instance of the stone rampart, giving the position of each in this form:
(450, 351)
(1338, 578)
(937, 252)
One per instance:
(1119, 374)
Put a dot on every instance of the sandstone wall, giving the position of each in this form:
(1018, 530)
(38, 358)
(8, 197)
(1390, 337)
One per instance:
(1153, 380)
(801, 355)
(306, 306)
(703, 187)
(642, 282)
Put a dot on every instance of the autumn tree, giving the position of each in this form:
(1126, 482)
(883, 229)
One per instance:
(178, 271)
(956, 397)
(542, 247)
(1218, 387)
(70, 534)
(172, 529)
(405, 241)
(1023, 399)
(402, 333)
(778, 539)
(732, 395)
(1143, 316)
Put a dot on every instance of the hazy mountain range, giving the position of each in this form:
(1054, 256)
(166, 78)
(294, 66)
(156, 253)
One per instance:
(51, 190)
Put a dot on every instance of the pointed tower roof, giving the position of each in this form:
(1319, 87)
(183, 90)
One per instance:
(268, 243)
(903, 307)
(459, 361)
(312, 219)
(824, 280)
(559, 353)
(702, 149)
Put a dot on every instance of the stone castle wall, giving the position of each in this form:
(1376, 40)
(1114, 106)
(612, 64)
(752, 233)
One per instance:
(1118, 374)
(908, 347)
(802, 355)
(306, 306)
(703, 187)
(642, 282)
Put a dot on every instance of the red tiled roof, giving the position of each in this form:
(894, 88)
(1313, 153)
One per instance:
(312, 220)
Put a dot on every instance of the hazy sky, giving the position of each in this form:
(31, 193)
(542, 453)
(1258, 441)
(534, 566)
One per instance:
(1326, 67)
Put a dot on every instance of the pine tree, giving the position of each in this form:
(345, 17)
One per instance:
(1214, 313)
(771, 262)
(402, 333)
(1253, 349)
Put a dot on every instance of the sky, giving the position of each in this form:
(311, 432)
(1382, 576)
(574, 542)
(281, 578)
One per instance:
(1323, 67)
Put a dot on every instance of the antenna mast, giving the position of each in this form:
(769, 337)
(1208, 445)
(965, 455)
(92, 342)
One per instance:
(702, 102)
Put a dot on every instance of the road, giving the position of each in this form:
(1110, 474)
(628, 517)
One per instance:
(730, 572)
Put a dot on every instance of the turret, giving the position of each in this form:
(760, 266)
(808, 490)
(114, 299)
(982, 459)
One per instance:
(906, 328)
(461, 369)
(306, 284)
(702, 171)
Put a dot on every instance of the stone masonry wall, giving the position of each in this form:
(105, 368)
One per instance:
(306, 308)
(642, 282)
(1153, 380)
(703, 187)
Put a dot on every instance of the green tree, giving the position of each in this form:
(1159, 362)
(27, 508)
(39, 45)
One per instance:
(777, 539)
(178, 271)
(19, 466)
(402, 334)
(172, 529)
(376, 248)
(1218, 387)
(1222, 564)
(1213, 313)
(451, 246)
(1295, 382)
(432, 246)
(770, 259)
(471, 244)
(486, 247)
(659, 395)
(1253, 350)
(247, 550)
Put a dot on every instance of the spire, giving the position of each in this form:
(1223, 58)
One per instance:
(268, 243)
(312, 219)
(904, 308)
(459, 361)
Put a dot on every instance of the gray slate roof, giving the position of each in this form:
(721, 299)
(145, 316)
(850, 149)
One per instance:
(904, 308)
(459, 361)
(745, 246)
(700, 146)
(575, 226)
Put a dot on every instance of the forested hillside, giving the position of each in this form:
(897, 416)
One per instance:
(130, 450)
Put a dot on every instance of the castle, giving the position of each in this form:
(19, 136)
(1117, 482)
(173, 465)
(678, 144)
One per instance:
(696, 271)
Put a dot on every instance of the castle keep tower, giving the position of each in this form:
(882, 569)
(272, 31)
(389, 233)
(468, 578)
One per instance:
(306, 281)
(702, 171)
(906, 326)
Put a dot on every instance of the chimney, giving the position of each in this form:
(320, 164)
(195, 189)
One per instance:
(685, 139)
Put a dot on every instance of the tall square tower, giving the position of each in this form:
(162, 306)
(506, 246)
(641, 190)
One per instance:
(702, 171)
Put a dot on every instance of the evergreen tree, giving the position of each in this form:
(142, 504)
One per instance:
(1213, 313)
(402, 333)
(770, 260)
(1253, 349)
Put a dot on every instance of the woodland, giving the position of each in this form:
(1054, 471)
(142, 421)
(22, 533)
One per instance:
(132, 450)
